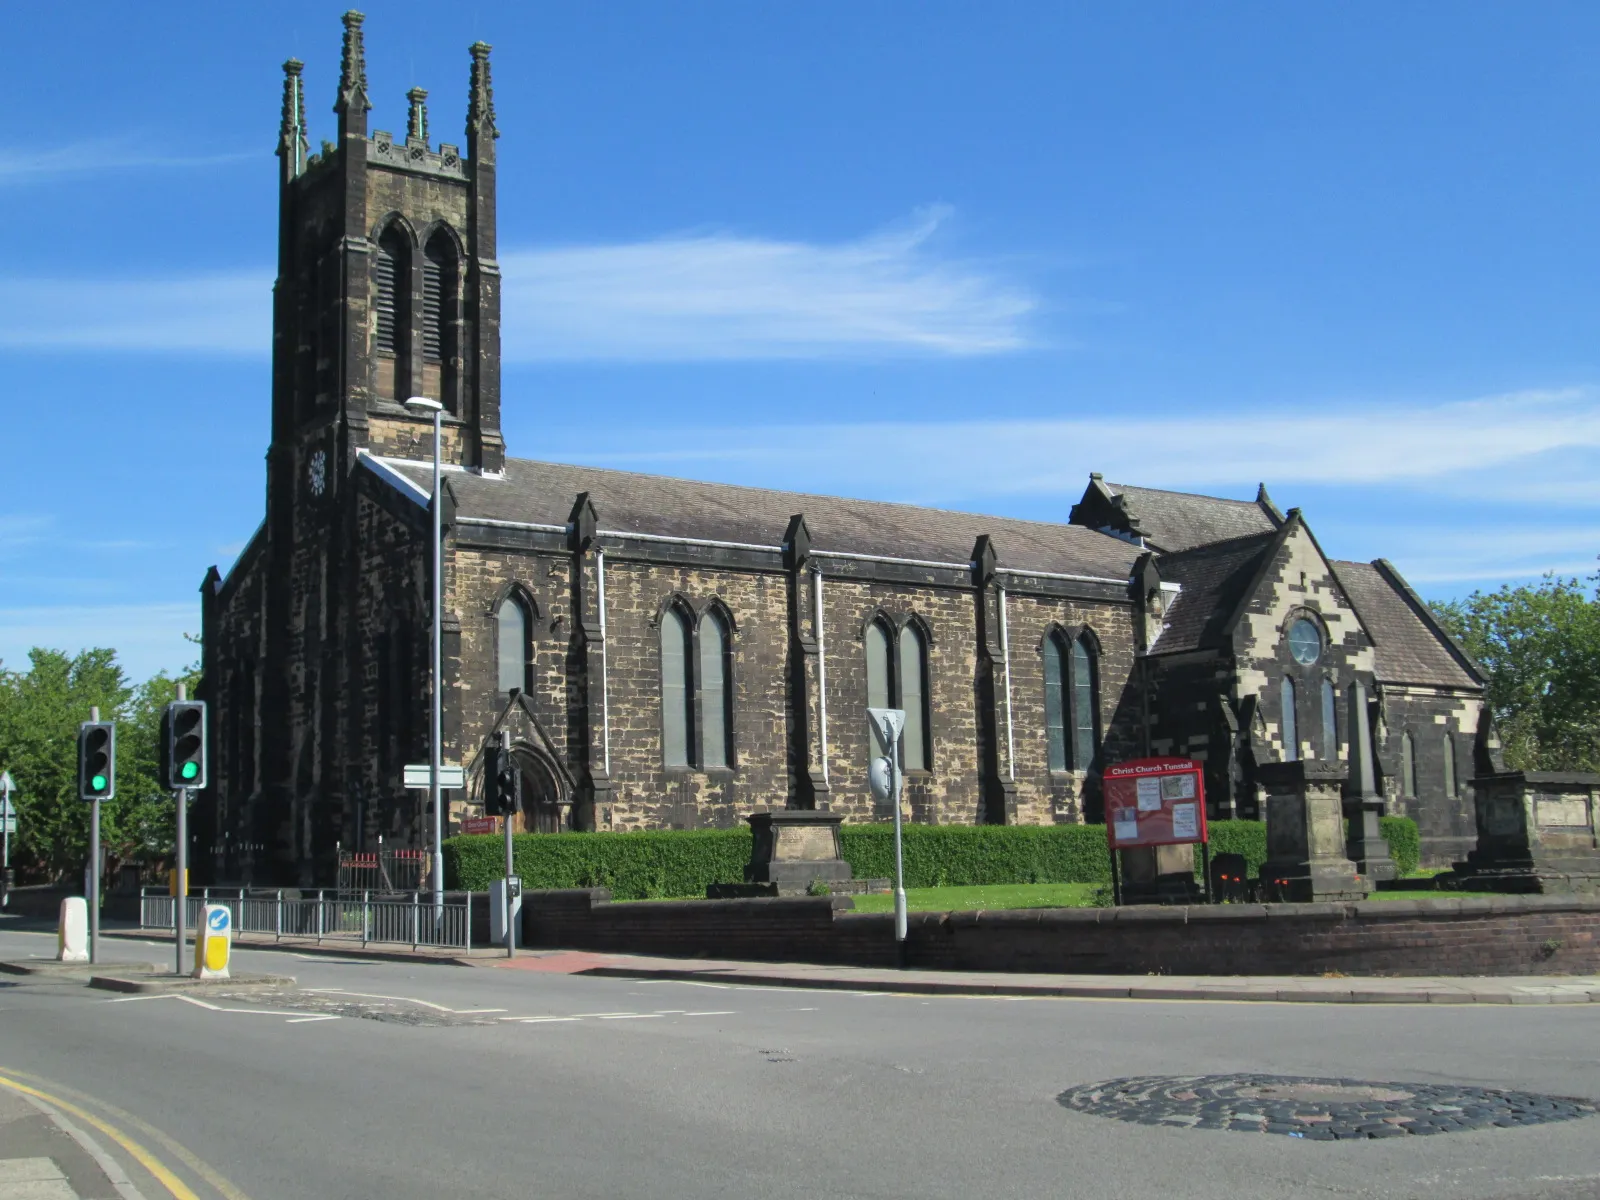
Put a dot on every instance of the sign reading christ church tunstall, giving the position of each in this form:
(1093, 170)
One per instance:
(1155, 802)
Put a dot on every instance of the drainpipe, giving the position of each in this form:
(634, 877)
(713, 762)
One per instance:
(1005, 655)
(605, 682)
(822, 661)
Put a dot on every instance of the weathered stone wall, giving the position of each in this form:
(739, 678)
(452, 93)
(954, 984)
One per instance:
(1436, 720)
(1512, 935)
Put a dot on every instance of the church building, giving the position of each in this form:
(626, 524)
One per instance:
(668, 654)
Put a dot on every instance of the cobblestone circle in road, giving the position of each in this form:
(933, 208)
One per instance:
(1316, 1109)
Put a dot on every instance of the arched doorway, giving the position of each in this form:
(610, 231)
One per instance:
(546, 806)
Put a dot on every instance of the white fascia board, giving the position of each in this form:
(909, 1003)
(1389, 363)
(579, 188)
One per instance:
(395, 479)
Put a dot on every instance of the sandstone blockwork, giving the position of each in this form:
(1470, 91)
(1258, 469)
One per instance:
(666, 654)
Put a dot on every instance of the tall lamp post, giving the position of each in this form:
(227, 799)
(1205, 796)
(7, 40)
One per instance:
(421, 404)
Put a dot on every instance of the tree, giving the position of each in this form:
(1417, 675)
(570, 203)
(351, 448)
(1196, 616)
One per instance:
(40, 710)
(1540, 648)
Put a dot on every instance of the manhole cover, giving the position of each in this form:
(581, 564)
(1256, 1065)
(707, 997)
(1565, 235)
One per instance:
(1319, 1109)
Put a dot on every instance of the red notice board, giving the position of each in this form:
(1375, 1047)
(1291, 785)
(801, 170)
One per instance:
(1155, 802)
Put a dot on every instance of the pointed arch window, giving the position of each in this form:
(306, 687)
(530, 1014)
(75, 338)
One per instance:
(1290, 722)
(897, 677)
(1055, 706)
(1449, 765)
(1085, 703)
(714, 693)
(441, 313)
(1330, 722)
(677, 719)
(511, 642)
(1408, 765)
(391, 267)
(1071, 701)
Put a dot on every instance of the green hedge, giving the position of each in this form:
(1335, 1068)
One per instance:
(643, 866)
(965, 855)
(1405, 842)
(635, 866)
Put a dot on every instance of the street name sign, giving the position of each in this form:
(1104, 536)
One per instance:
(419, 775)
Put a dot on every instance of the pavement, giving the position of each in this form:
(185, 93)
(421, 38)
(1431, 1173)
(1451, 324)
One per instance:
(1302, 989)
(410, 1080)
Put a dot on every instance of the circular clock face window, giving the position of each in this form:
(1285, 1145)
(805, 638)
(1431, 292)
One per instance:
(1305, 641)
(318, 472)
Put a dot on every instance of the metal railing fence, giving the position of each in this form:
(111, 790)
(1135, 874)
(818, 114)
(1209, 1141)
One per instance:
(406, 919)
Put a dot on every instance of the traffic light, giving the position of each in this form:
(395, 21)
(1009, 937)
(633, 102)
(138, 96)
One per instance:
(502, 783)
(183, 744)
(97, 760)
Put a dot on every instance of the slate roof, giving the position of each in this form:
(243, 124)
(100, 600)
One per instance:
(543, 493)
(1214, 580)
(1409, 647)
(1177, 521)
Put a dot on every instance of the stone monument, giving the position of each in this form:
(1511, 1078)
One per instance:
(792, 850)
(1305, 834)
(1536, 833)
(1365, 844)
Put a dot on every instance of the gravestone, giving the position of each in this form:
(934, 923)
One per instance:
(1536, 833)
(1305, 834)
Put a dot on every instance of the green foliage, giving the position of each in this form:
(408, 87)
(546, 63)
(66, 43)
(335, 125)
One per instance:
(1405, 842)
(651, 866)
(40, 710)
(971, 855)
(635, 866)
(1540, 647)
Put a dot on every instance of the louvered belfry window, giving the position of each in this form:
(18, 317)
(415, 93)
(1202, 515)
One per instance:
(388, 272)
(438, 298)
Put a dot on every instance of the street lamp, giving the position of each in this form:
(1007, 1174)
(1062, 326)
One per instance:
(422, 405)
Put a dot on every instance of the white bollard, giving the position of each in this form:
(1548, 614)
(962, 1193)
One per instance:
(213, 942)
(72, 931)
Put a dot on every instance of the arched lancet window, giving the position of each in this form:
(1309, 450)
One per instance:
(1085, 704)
(913, 680)
(391, 314)
(511, 640)
(676, 718)
(1055, 707)
(1449, 765)
(879, 677)
(713, 681)
(1290, 724)
(440, 304)
(1330, 722)
(1408, 765)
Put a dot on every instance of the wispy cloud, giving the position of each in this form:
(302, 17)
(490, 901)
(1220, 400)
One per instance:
(708, 297)
(126, 153)
(224, 315)
(712, 297)
(1440, 447)
(1476, 554)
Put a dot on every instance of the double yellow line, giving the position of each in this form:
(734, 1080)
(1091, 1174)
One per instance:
(12, 1079)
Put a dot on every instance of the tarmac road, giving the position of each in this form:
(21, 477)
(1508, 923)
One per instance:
(397, 1081)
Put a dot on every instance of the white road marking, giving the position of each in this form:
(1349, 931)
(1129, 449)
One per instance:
(303, 1020)
(628, 1016)
(198, 1003)
(114, 1173)
(724, 1013)
(538, 1020)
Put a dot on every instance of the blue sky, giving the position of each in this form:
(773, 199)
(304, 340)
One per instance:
(950, 253)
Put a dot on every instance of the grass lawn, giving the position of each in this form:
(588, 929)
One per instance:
(971, 899)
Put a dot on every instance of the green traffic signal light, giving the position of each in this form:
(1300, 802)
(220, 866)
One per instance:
(98, 783)
(190, 770)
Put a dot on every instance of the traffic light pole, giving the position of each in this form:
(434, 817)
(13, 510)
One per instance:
(180, 901)
(511, 926)
(94, 868)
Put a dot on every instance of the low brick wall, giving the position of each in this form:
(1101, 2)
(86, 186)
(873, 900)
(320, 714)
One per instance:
(1511, 935)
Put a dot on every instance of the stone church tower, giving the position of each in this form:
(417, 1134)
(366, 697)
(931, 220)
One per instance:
(387, 287)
